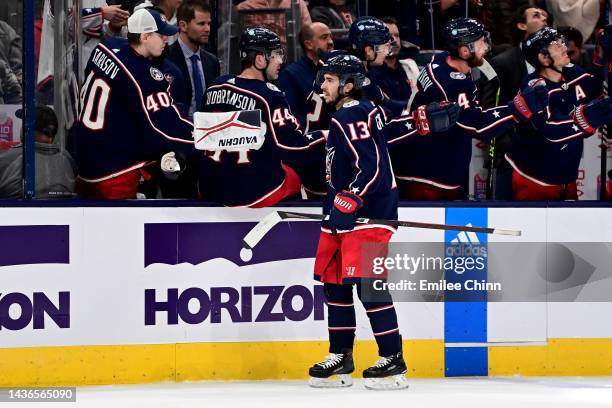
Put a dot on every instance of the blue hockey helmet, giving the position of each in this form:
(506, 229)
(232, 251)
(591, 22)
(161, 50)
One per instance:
(463, 31)
(539, 42)
(259, 39)
(366, 31)
(348, 68)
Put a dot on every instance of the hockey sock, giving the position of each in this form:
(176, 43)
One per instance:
(383, 321)
(340, 316)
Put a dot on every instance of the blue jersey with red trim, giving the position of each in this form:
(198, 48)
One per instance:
(357, 160)
(128, 118)
(247, 177)
(319, 116)
(443, 159)
(549, 151)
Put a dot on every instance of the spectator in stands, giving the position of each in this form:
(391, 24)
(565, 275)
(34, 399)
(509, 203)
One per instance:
(575, 50)
(198, 66)
(10, 48)
(510, 65)
(99, 21)
(336, 14)
(10, 88)
(273, 21)
(391, 76)
(581, 14)
(55, 171)
(498, 17)
(297, 79)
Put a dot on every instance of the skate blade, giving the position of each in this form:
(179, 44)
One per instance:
(394, 382)
(335, 381)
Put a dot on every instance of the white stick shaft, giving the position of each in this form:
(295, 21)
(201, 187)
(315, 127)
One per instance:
(261, 229)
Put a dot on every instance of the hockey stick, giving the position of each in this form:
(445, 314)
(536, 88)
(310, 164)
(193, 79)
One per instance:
(603, 171)
(269, 221)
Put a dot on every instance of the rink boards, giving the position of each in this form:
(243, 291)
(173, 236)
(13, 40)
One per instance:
(103, 295)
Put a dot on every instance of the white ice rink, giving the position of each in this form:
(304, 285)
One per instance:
(507, 392)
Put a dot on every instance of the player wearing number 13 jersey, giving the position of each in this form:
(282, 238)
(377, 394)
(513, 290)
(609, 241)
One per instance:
(257, 178)
(127, 120)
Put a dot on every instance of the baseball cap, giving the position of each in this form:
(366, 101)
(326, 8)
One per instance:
(150, 21)
(45, 120)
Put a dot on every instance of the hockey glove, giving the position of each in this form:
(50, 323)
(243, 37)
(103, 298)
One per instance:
(436, 117)
(343, 213)
(529, 101)
(171, 165)
(594, 114)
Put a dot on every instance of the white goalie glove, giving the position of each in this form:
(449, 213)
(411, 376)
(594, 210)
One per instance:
(229, 131)
(170, 166)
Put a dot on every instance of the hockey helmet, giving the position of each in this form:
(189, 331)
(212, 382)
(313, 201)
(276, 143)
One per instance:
(370, 31)
(348, 68)
(463, 31)
(259, 39)
(539, 42)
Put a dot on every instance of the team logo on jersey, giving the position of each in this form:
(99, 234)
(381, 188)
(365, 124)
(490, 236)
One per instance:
(366, 82)
(457, 75)
(564, 86)
(272, 87)
(156, 74)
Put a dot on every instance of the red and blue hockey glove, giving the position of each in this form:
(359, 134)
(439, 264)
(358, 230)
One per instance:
(436, 117)
(594, 114)
(343, 213)
(529, 101)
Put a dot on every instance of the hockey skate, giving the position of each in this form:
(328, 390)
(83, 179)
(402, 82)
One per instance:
(333, 372)
(387, 374)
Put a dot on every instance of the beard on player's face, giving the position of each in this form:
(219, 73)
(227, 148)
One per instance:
(475, 61)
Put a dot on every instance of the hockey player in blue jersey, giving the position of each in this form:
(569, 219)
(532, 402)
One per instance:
(545, 154)
(257, 178)
(128, 119)
(360, 183)
(436, 167)
(371, 42)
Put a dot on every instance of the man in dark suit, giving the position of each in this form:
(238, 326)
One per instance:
(200, 68)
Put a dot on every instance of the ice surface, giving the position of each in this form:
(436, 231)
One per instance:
(502, 392)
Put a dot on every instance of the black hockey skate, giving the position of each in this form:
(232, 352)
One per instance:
(334, 371)
(386, 374)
